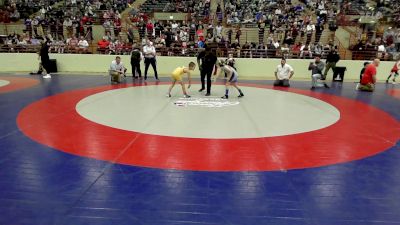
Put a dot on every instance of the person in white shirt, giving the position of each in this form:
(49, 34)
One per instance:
(218, 30)
(117, 69)
(67, 26)
(83, 45)
(149, 53)
(283, 73)
(305, 49)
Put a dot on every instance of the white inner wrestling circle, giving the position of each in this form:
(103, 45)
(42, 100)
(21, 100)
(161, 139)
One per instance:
(4, 83)
(261, 113)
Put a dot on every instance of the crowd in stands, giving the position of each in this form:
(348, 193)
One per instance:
(293, 30)
(66, 24)
(385, 47)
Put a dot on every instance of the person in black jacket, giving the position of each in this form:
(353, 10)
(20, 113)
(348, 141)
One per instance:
(136, 58)
(331, 60)
(206, 61)
(45, 59)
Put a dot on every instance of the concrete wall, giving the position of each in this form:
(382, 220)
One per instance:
(247, 68)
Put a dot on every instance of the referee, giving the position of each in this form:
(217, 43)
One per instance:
(206, 61)
(44, 57)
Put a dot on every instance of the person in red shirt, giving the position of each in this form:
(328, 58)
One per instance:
(368, 79)
(149, 28)
(102, 45)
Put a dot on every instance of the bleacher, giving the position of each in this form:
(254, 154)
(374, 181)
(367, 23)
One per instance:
(151, 6)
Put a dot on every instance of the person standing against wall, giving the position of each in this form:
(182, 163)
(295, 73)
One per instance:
(206, 61)
(149, 53)
(331, 60)
(45, 59)
(136, 58)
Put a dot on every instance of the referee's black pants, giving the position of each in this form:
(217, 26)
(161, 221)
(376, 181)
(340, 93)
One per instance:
(147, 62)
(206, 73)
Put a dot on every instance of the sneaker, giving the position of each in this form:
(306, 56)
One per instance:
(201, 90)
(47, 76)
(241, 95)
(208, 94)
(225, 97)
(186, 96)
(168, 95)
(326, 86)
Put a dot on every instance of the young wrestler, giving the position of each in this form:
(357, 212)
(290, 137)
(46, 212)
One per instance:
(232, 77)
(394, 72)
(177, 76)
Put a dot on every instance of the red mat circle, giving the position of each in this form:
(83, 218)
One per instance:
(54, 122)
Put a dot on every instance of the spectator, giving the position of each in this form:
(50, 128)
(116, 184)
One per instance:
(283, 73)
(391, 51)
(68, 29)
(218, 30)
(238, 33)
(305, 49)
(83, 45)
(103, 45)
(318, 50)
(15, 16)
(150, 29)
(72, 43)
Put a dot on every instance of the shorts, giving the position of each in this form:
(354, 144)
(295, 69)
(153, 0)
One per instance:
(234, 78)
(176, 77)
(366, 87)
(115, 77)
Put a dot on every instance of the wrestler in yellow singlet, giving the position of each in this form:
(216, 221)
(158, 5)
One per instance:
(177, 76)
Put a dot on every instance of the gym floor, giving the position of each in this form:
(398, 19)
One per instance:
(77, 150)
